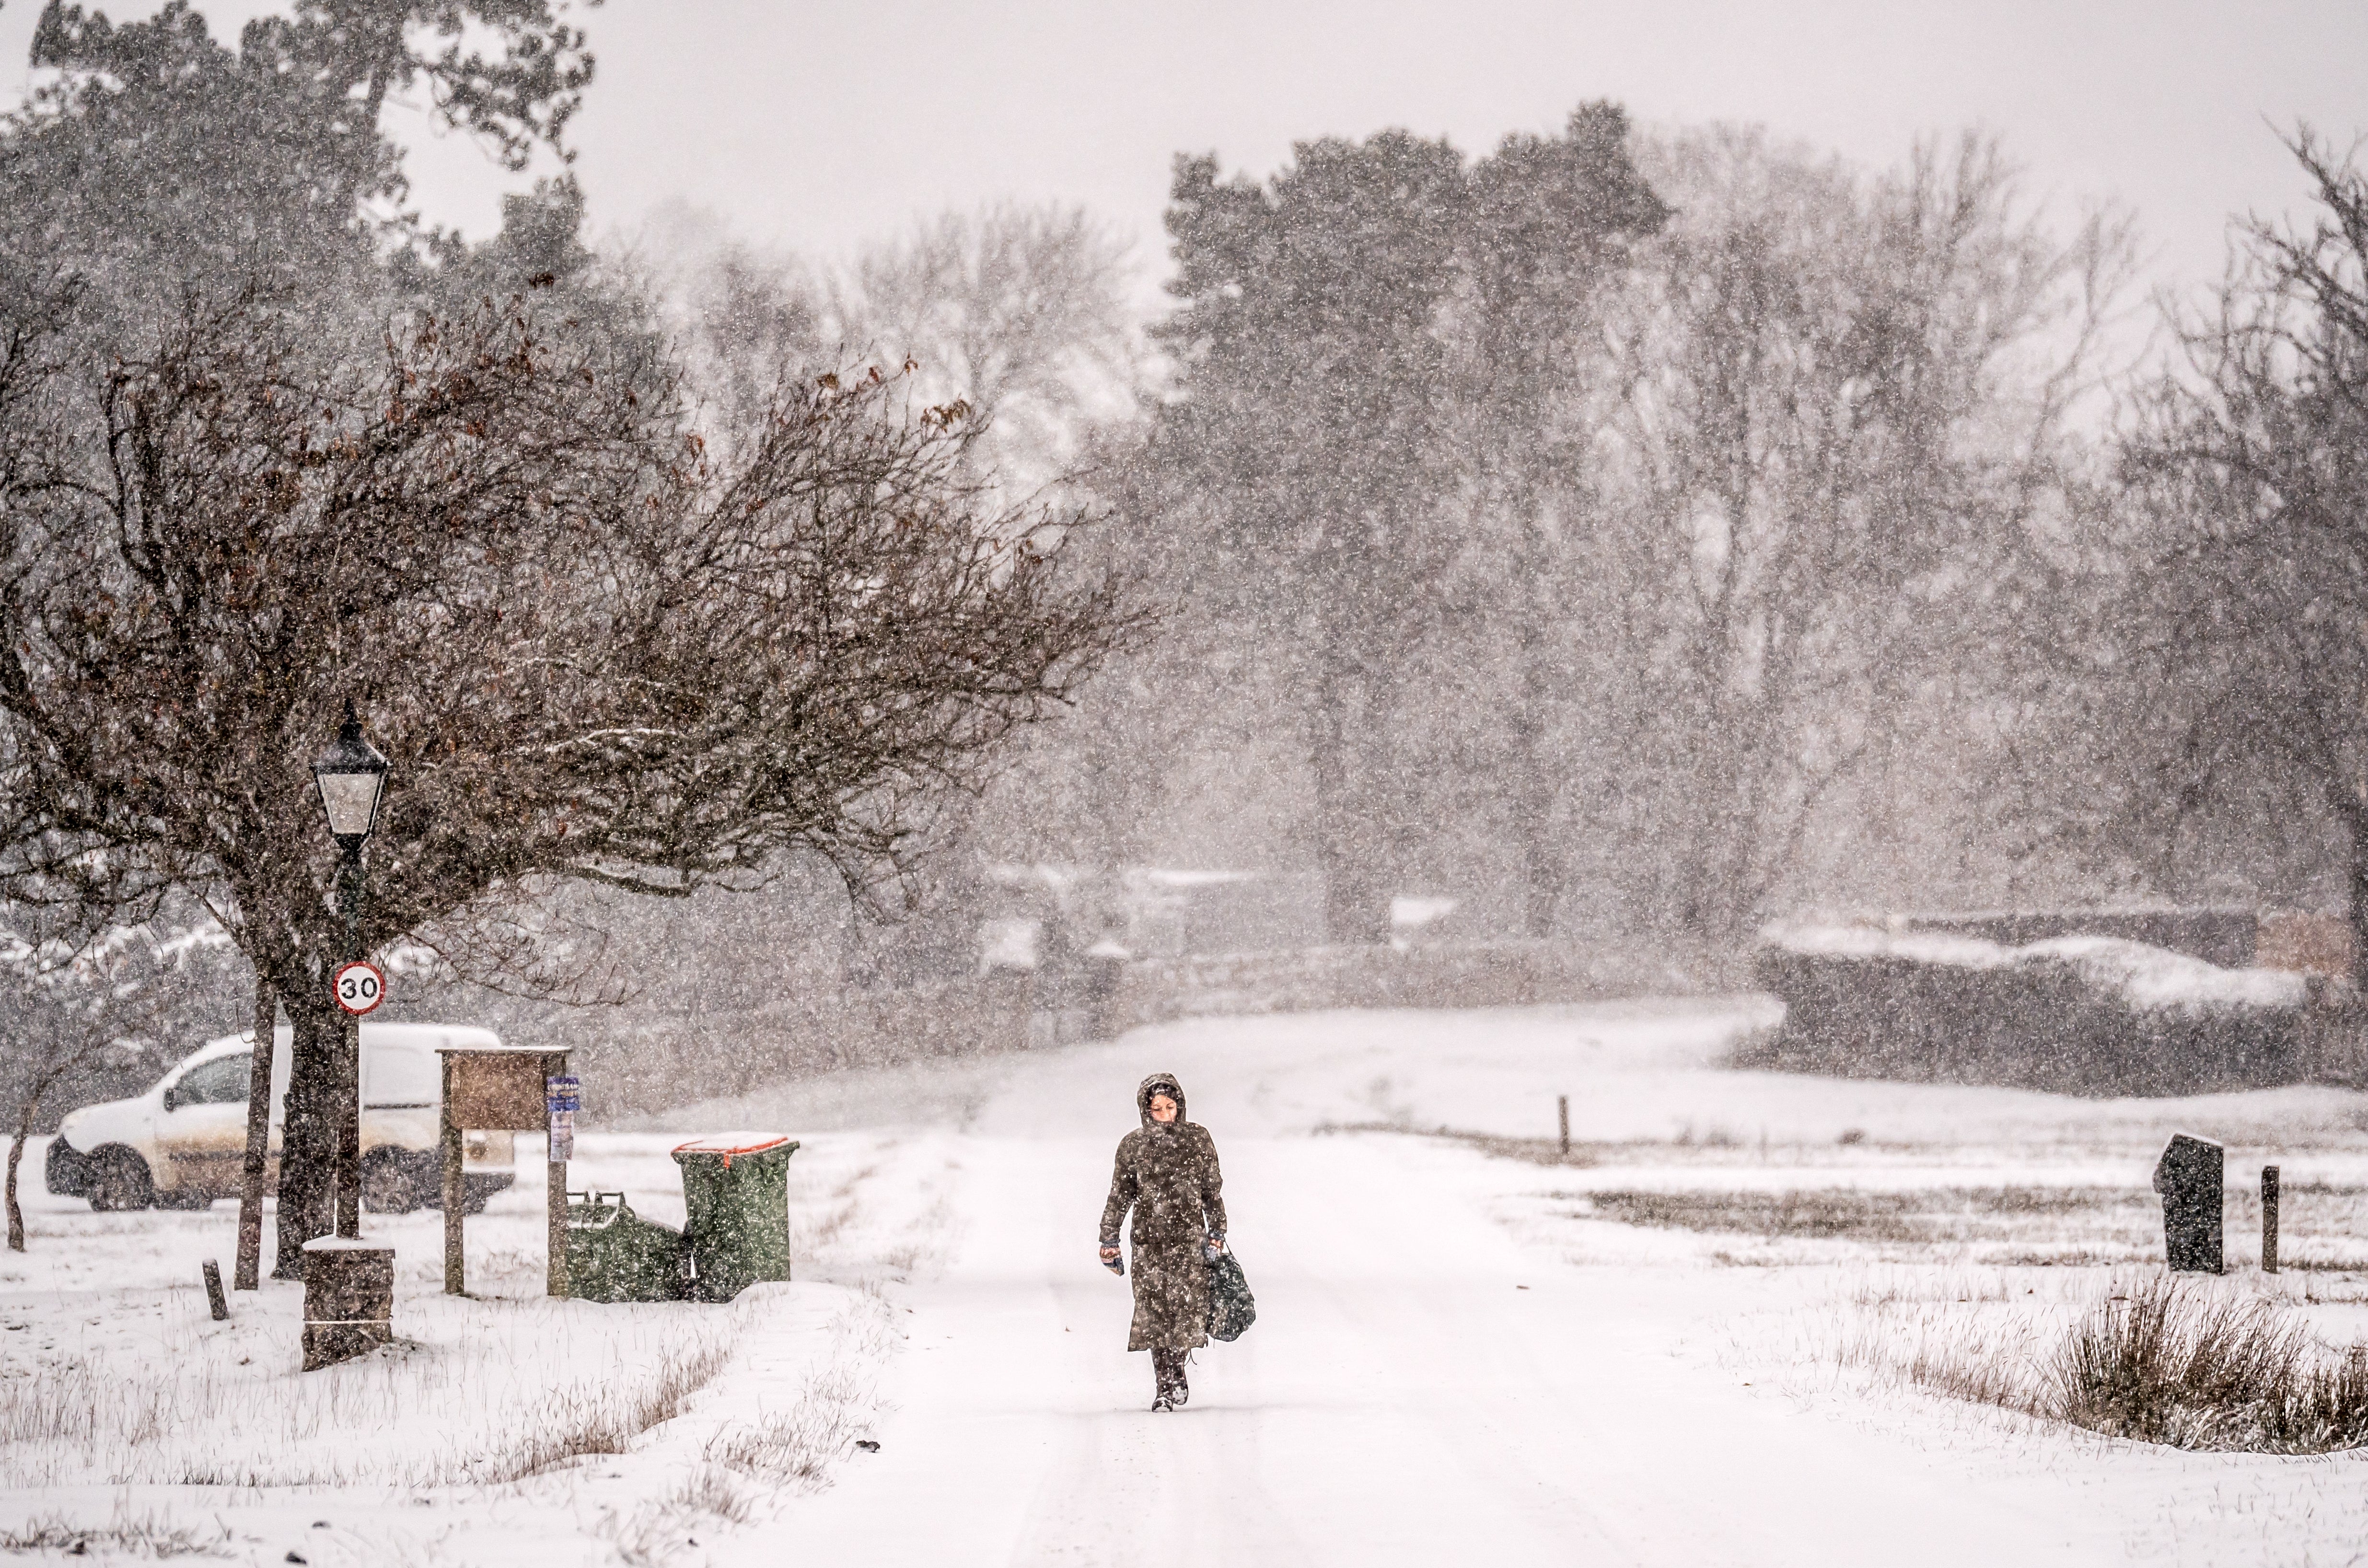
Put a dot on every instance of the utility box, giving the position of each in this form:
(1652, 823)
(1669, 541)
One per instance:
(2189, 1176)
(735, 1190)
(614, 1254)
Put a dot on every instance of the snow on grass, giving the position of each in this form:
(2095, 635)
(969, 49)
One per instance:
(151, 1536)
(1911, 1258)
(472, 1393)
(624, 1429)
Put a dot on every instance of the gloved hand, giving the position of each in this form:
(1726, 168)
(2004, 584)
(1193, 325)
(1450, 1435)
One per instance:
(1111, 1262)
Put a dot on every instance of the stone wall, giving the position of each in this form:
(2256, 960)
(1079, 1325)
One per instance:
(657, 1067)
(1495, 974)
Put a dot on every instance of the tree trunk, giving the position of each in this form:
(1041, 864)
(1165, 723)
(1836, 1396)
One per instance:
(258, 1140)
(1542, 866)
(15, 1153)
(1356, 903)
(1544, 869)
(308, 1142)
(1391, 801)
(1712, 851)
(2356, 820)
(1536, 785)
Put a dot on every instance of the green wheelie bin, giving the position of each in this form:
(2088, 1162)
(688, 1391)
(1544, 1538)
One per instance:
(614, 1254)
(736, 1188)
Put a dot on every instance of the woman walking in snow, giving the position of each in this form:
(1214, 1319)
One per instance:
(1167, 1174)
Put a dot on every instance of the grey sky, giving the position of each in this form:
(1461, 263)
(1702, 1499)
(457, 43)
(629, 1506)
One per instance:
(817, 125)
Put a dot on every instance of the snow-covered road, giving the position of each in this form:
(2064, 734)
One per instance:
(1419, 1388)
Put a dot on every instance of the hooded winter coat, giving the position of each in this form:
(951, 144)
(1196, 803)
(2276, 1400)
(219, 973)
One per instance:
(1167, 1172)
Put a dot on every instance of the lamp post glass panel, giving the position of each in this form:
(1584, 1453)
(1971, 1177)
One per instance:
(350, 774)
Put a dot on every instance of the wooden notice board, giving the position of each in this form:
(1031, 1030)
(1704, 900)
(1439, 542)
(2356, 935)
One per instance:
(498, 1091)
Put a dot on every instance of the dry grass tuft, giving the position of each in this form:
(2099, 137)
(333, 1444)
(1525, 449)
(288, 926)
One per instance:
(799, 1445)
(2167, 1364)
(611, 1421)
(2185, 1363)
(710, 1493)
(148, 1535)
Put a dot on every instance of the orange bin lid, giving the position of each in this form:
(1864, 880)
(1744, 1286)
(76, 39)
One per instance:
(730, 1143)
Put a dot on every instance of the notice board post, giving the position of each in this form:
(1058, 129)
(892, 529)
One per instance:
(499, 1090)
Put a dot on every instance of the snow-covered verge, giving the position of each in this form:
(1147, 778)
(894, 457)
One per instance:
(501, 1427)
(1706, 1335)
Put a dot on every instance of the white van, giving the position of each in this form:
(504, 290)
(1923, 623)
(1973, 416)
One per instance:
(183, 1143)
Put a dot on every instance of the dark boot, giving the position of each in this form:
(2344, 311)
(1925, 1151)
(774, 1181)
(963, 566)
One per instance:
(1168, 1367)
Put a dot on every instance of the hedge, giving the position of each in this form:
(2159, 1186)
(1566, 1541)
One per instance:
(2075, 1014)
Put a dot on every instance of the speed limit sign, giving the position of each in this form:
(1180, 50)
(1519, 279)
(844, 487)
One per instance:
(360, 987)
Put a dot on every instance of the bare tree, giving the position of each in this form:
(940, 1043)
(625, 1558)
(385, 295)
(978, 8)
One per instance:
(1021, 312)
(591, 651)
(88, 1012)
(1844, 404)
(2242, 592)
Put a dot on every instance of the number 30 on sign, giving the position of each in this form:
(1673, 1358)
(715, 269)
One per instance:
(360, 987)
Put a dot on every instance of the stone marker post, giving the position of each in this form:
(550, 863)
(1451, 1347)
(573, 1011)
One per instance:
(2189, 1177)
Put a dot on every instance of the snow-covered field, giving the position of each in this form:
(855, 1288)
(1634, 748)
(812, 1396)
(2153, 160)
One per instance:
(1697, 1339)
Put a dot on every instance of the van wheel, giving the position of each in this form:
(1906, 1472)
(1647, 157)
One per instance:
(66, 1172)
(389, 1185)
(120, 1181)
(185, 1201)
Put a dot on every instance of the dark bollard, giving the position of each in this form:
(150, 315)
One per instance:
(2188, 1177)
(349, 1299)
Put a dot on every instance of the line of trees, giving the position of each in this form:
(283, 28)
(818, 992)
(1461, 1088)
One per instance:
(1587, 519)
(1656, 532)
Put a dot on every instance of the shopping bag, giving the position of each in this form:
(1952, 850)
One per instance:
(1232, 1309)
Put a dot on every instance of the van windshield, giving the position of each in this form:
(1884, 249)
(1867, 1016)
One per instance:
(221, 1081)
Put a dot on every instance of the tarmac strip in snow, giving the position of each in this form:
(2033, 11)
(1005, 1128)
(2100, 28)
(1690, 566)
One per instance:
(1416, 1390)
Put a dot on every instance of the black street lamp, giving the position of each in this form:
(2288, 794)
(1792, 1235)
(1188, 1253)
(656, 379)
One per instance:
(350, 774)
